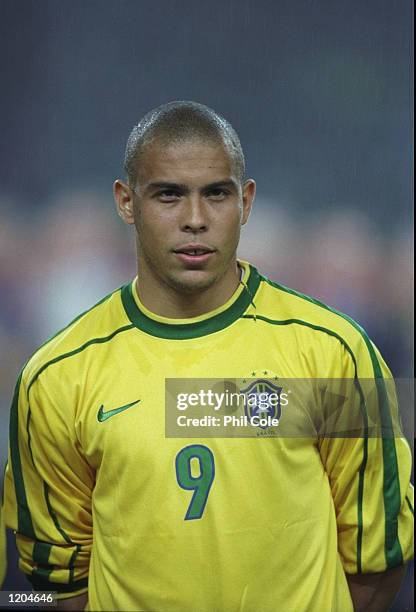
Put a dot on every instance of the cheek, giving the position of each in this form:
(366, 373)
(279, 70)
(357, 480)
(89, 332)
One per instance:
(232, 224)
(148, 225)
(229, 234)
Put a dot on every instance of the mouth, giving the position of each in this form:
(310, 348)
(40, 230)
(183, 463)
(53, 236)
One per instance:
(194, 254)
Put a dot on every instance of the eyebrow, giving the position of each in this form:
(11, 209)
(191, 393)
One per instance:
(185, 189)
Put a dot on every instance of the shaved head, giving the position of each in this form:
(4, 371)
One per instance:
(176, 123)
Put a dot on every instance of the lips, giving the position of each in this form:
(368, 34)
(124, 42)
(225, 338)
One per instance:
(194, 250)
(194, 256)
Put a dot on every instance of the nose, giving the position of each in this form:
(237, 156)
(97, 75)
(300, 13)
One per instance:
(195, 215)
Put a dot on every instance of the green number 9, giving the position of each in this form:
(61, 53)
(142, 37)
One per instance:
(201, 484)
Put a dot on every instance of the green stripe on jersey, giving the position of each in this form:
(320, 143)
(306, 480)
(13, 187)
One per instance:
(78, 350)
(25, 524)
(24, 519)
(391, 484)
(41, 582)
(53, 516)
(41, 552)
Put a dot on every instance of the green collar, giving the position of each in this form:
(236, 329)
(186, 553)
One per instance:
(208, 324)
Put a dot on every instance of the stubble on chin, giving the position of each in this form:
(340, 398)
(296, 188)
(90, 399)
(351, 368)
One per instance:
(191, 286)
(175, 280)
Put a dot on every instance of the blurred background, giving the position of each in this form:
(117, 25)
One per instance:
(321, 94)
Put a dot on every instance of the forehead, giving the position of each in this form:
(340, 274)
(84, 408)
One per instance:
(186, 162)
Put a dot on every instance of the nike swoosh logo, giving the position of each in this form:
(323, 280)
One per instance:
(103, 416)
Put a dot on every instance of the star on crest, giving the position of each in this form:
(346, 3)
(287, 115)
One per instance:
(262, 373)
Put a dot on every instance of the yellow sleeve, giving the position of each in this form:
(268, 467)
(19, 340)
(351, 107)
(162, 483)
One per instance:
(48, 489)
(369, 475)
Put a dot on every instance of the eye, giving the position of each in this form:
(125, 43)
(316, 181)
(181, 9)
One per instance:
(217, 194)
(168, 195)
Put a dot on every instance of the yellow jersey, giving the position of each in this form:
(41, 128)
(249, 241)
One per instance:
(103, 501)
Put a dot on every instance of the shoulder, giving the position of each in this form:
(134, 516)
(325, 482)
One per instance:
(98, 324)
(291, 304)
(280, 305)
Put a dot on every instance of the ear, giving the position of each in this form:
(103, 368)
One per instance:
(123, 196)
(249, 192)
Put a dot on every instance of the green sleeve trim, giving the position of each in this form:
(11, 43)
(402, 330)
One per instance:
(41, 552)
(42, 573)
(29, 439)
(391, 483)
(409, 503)
(44, 569)
(40, 583)
(24, 519)
(63, 533)
(40, 555)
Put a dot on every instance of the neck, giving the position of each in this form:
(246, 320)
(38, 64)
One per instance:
(166, 301)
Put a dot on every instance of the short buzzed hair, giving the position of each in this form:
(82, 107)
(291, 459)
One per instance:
(177, 122)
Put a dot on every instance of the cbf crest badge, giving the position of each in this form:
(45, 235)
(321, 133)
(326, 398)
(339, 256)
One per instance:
(263, 402)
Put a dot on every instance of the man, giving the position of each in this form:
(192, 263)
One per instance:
(101, 499)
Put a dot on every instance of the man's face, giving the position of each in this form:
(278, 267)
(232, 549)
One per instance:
(188, 207)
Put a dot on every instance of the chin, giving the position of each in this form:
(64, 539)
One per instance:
(193, 281)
